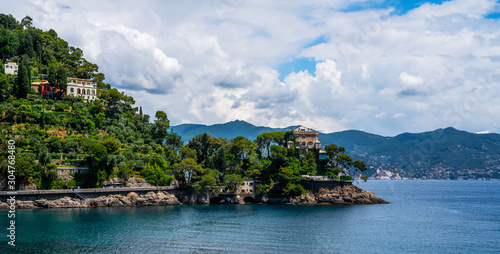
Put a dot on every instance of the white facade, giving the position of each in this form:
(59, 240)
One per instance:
(84, 88)
(247, 187)
(10, 68)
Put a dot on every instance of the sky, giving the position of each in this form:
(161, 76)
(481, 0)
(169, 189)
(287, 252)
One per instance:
(385, 67)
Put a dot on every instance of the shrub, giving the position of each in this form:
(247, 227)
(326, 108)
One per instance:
(293, 190)
(78, 105)
(61, 106)
(346, 178)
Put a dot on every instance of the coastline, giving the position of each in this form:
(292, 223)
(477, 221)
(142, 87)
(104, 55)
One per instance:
(347, 195)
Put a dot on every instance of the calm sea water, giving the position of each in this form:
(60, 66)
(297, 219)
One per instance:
(423, 217)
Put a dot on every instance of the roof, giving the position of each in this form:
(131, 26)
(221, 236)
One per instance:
(303, 129)
(43, 82)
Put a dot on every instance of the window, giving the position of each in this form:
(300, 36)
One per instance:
(72, 89)
(303, 136)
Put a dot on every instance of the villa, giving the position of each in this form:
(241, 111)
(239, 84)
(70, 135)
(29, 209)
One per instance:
(247, 187)
(77, 87)
(85, 88)
(307, 139)
(11, 68)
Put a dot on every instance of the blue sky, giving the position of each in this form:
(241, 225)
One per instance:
(385, 67)
(400, 7)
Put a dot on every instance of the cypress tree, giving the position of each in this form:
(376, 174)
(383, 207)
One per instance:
(62, 78)
(22, 85)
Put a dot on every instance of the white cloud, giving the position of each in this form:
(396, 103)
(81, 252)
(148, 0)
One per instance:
(408, 79)
(398, 115)
(483, 132)
(211, 62)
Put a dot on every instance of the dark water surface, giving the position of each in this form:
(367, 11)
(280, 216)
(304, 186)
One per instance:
(423, 217)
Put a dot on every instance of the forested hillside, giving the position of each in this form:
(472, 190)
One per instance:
(439, 154)
(112, 138)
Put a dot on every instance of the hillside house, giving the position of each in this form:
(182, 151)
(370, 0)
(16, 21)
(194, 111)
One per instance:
(77, 87)
(307, 139)
(85, 88)
(247, 187)
(11, 68)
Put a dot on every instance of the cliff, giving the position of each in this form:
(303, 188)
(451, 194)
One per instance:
(131, 199)
(347, 195)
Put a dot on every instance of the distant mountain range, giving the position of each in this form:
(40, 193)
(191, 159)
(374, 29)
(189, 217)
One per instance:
(440, 154)
(226, 130)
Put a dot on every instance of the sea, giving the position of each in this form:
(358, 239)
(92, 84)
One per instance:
(422, 217)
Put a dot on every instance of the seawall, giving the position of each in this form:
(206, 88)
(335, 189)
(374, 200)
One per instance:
(338, 195)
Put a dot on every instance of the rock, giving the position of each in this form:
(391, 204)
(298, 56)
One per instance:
(203, 201)
(42, 203)
(347, 195)
(25, 204)
(132, 196)
(137, 182)
(4, 205)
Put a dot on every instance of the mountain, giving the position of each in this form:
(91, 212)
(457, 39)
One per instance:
(225, 130)
(440, 154)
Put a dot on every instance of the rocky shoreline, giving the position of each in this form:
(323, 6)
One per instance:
(347, 195)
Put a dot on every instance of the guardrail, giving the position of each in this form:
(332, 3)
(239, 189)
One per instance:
(93, 190)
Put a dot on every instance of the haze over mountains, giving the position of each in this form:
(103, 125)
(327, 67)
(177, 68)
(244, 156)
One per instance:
(440, 154)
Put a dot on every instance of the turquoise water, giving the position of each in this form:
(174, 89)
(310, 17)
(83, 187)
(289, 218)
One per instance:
(423, 217)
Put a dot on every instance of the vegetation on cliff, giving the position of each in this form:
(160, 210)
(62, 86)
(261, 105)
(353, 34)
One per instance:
(113, 138)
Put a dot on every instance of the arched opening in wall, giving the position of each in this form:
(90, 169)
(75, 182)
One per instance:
(215, 200)
(249, 200)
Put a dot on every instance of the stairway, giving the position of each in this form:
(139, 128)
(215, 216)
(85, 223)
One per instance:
(79, 196)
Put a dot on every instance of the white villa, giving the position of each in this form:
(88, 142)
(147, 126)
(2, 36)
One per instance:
(85, 88)
(11, 68)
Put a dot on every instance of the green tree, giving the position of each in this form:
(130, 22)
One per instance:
(187, 152)
(233, 181)
(241, 146)
(87, 68)
(111, 145)
(51, 76)
(160, 129)
(293, 190)
(4, 86)
(264, 141)
(207, 181)
(8, 44)
(22, 84)
(62, 78)
(310, 163)
(157, 176)
(186, 169)
(27, 22)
